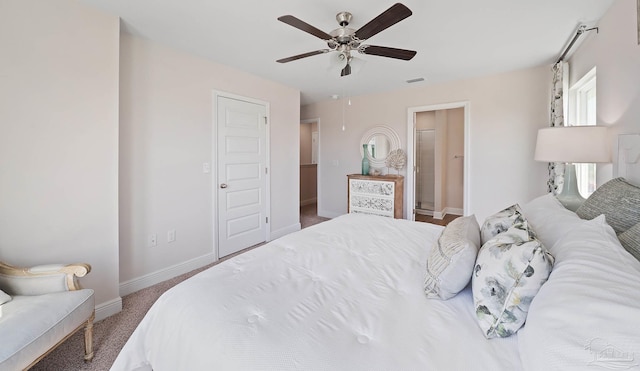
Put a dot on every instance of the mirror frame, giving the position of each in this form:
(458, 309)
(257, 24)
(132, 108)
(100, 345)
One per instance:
(392, 136)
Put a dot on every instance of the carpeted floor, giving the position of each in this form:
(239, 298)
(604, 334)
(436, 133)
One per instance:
(110, 334)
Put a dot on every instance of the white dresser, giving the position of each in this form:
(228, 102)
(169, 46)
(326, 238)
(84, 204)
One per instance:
(379, 195)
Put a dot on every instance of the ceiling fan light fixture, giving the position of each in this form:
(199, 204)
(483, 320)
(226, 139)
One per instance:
(337, 62)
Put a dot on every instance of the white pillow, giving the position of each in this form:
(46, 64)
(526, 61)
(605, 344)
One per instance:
(452, 258)
(509, 271)
(549, 219)
(4, 297)
(500, 222)
(587, 314)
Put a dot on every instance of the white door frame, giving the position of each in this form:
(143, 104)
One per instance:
(214, 158)
(411, 144)
(318, 166)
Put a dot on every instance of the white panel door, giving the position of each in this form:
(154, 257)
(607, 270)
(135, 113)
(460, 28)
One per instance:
(242, 210)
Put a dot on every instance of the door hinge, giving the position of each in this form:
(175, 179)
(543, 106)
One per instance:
(266, 219)
(265, 120)
(266, 170)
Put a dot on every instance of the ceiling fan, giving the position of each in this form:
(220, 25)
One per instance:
(344, 39)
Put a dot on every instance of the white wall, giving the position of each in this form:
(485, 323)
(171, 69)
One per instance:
(59, 142)
(506, 111)
(166, 136)
(615, 53)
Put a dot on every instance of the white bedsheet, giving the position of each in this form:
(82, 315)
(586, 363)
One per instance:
(342, 295)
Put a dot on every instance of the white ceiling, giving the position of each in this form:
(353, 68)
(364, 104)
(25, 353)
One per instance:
(455, 39)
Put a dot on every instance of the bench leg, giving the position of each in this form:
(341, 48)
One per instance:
(88, 340)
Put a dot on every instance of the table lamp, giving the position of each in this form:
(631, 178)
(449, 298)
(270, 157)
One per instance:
(572, 144)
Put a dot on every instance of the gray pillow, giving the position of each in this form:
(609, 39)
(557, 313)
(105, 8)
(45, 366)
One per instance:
(451, 260)
(618, 200)
(630, 239)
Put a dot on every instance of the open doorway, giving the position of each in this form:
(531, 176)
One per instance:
(309, 151)
(437, 153)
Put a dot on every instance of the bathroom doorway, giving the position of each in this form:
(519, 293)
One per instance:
(436, 148)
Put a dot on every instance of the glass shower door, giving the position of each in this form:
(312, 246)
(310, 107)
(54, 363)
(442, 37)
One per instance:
(425, 171)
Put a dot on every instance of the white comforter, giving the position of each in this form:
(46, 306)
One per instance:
(343, 295)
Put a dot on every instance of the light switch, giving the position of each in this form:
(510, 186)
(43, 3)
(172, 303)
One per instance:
(206, 168)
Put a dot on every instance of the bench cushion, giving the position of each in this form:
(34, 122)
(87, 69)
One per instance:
(31, 325)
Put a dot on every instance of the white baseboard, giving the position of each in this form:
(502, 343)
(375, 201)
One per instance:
(309, 201)
(284, 231)
(164, 274)
(453, 211)
(328, 214)
(447, 210)
(108, 308)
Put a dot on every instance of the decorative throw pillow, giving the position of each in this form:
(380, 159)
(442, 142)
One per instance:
(509, 271)
(500, 222)
(617, 200)
(452, 258)
(630, 240)
(4, 297)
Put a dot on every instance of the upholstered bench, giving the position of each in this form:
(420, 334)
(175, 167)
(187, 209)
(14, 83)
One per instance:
(40, 308)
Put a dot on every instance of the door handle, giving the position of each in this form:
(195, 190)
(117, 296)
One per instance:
(223, 185)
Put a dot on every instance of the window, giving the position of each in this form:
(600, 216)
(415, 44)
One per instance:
(584, 98)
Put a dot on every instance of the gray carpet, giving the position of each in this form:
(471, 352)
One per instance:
(110, 334)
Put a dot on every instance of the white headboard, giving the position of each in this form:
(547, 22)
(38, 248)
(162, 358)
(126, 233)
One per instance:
(629, 157)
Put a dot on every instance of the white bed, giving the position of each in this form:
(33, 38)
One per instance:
(347, 294)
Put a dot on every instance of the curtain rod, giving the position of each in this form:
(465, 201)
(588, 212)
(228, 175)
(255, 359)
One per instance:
(581, 29)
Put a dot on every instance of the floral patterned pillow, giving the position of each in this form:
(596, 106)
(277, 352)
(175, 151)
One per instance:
(501, 222)
(509, 271)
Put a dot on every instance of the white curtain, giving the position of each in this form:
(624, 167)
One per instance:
(556, 119)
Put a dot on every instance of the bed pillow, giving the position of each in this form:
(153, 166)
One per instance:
(617, 200)
(509, 271)
(452, 258)
(587, 312)
(4, 297)
(549, 219)
(630, 240)
(500, 222)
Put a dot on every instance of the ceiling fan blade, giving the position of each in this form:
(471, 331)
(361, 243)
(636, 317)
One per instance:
(304, 26)
(346, 71)
(304, 55)
(385, 51)
(388, 18)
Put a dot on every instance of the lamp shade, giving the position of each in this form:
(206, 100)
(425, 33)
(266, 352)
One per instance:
(573, 144)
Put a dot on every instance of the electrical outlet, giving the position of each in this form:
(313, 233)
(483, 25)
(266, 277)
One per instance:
(152, 240)
(171, 235)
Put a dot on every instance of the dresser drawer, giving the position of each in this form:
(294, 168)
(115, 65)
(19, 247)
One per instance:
(371, 187)
(377, 195)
